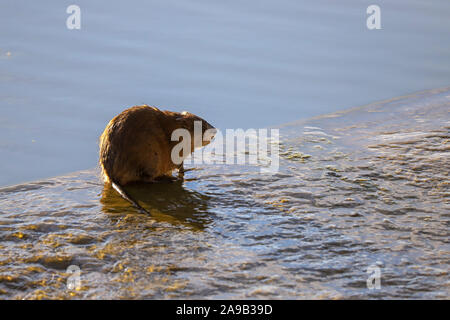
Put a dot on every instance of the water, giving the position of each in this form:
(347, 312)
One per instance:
(357, 188)
(238, 64)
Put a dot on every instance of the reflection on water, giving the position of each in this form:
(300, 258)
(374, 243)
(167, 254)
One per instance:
(167, 201)
(356, 188)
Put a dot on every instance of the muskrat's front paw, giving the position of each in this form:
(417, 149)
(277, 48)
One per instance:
(166, 179)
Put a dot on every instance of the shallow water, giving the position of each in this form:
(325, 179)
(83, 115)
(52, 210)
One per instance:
(357, 188)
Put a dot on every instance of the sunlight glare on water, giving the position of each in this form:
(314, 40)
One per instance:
(355, 188)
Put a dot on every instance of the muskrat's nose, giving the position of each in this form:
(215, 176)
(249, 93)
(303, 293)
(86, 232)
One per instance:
(212, 132)
(209, 134)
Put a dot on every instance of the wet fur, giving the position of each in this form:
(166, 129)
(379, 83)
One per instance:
(136, 145)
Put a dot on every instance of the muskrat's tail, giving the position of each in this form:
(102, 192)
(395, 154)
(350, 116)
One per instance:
(127, 197)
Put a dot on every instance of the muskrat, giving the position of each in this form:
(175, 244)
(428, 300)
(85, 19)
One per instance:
(136, 146)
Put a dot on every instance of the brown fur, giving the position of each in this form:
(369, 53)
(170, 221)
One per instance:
(136, 144)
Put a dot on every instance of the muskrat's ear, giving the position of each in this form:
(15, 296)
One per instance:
(182, 115)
